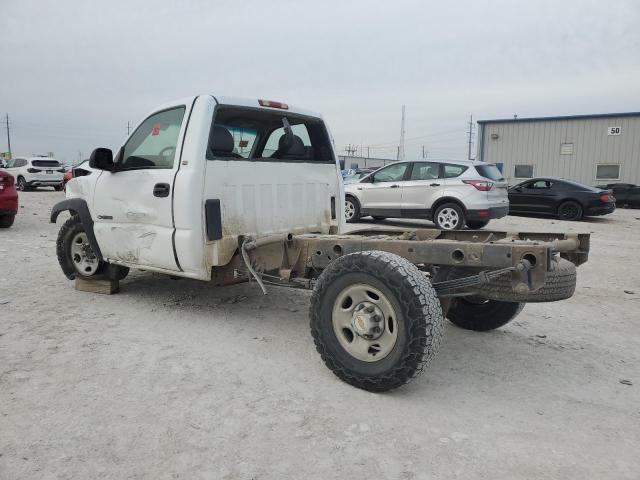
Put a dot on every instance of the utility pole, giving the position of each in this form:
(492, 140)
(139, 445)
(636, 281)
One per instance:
(8, 135)
(401, 147)
(470, 132)
(423, 152)
(368, 154)
(128, 129)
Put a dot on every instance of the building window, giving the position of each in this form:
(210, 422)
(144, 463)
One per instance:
(566, 149)
(523, 171)
(607, 172)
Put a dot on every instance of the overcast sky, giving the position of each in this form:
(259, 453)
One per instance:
(74, 72)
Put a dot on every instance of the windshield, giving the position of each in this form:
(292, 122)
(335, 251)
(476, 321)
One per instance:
(490, 171)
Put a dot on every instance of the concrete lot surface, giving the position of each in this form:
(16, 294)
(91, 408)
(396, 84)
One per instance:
(172, 379)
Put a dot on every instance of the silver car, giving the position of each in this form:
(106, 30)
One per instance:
(452, 194)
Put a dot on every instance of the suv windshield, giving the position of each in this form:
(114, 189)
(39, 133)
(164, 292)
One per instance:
(490, 171)
(45, 163)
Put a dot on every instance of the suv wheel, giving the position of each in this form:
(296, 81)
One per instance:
(351, 210)
(22, 184)
(449, 216)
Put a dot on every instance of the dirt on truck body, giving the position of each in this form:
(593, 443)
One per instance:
(227, 190)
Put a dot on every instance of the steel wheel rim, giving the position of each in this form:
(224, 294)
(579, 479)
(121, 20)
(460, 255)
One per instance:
(82, 256)
(349, 209)
(354, 322)
(448, 218)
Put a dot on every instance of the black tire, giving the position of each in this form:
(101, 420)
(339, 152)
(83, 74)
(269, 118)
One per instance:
(559, 285)
(21, 184)
(477, 224)
(482, 315)
(67, 233)
(59, 188)
(570, 210)
(449, 225)
(416, 308)
(351, 218)
(6, 221)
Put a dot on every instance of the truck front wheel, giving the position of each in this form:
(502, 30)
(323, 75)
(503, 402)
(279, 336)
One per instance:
(375, 319)
(76, 257)
(480, 314)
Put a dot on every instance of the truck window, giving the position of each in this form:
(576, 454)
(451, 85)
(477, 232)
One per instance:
(256, 134)
(154, 143)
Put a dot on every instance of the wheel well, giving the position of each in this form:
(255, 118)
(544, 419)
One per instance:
(352, 197)
(444, 200)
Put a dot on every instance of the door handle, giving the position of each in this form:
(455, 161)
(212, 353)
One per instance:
(434, 185)
(394, 186)
(161, 190)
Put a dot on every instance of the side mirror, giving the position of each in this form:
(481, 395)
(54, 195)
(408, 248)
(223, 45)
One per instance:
(101, 159)
(368, 179)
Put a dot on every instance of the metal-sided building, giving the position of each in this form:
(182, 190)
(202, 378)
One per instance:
(591, 149)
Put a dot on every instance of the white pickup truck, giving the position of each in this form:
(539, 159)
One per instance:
(227, 190)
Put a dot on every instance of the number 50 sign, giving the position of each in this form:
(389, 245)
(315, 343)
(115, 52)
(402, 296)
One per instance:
(614, 130)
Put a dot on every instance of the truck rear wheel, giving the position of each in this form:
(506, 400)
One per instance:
(480, 314)
(375, 319)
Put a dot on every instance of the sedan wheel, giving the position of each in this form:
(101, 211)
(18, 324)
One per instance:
(570, 211)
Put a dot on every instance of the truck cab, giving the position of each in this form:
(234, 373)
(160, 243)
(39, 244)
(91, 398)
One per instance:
(198, 173)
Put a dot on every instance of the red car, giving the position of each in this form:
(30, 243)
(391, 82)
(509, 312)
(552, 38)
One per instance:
(8, 199)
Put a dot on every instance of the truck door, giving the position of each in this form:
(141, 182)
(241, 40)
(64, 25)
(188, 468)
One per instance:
(132, 206)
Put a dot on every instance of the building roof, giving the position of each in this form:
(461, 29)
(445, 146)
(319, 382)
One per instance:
(565, 117)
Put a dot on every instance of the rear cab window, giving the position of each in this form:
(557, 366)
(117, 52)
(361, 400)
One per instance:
(490, 171)
(244, 133)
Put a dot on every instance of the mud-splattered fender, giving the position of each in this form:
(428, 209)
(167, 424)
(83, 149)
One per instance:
(78, 206)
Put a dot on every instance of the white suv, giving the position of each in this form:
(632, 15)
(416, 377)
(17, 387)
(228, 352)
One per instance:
(33, 172)
(452, 194)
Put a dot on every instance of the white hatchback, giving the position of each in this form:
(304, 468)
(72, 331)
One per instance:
(452, 194)
(33, 172)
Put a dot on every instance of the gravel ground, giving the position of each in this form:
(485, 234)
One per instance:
(175, 379)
